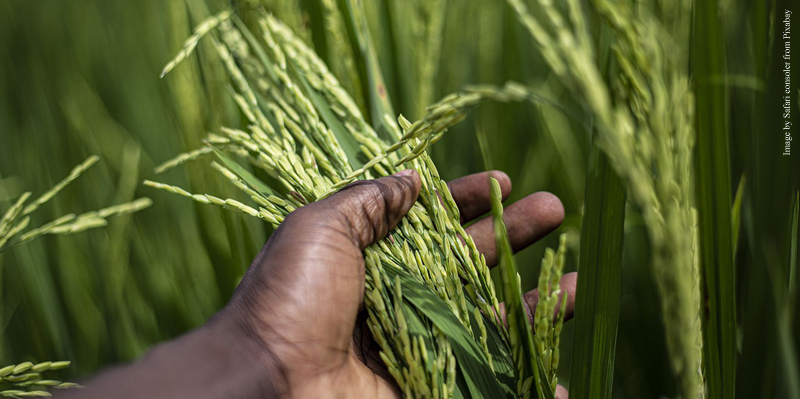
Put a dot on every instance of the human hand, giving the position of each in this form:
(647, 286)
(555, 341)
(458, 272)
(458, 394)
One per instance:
(302, 298)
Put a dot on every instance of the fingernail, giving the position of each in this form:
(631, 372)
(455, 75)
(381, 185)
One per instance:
(407, 172)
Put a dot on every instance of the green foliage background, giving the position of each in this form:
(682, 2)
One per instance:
(81, 77)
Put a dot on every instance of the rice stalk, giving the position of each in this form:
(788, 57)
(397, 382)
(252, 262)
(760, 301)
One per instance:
(645, 127)
(308, 134)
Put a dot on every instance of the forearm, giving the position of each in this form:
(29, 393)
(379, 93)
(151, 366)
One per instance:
(215, 361)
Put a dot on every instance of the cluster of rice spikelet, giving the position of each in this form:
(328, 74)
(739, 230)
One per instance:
(27, 381)
(17, 217)
(644, 124)
(548, 329)
(308, 134)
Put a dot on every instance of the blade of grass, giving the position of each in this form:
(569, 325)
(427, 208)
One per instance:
(713, 185)
(600, 268)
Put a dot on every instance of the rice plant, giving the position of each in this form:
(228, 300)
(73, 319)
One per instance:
(308, 134)
(645, 127)
(25, 379)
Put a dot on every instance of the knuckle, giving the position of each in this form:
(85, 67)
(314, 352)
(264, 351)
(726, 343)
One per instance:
(366, 212)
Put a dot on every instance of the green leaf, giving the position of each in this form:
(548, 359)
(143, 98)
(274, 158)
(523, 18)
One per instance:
(419, 327)
(786, 315)
(736, 212)
(502, 361)
(793, 248)
(471, 360)
(713, 193)
(599, 285)
(377, 93)
(244, 174)
(519, 328)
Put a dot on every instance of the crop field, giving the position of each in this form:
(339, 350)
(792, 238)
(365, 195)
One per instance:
(160, 143)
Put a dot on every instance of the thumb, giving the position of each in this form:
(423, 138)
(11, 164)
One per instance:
(304, 290)
(366, 210)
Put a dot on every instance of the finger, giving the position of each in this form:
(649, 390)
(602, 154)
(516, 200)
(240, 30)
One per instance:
(472, 195)
(567, 284)
(369, 209)
(527, 221)
(531, 298)
(561, 392)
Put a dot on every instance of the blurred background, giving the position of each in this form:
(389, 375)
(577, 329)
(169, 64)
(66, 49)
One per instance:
(82, 77)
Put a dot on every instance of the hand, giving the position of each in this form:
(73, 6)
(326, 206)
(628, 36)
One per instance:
(294, 327)
(303, 293)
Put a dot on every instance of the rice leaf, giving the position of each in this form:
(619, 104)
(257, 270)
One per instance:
(793, 248)
(786, 314)
(501, 361)
(420, 328)
(786, 384)
(243, 174)
(340, 50)
(712, 183)
(379, 102)
(600, 282)
(471, 360)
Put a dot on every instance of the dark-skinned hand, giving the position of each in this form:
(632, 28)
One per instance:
(294, 327)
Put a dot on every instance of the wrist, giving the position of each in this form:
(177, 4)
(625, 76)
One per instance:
(218, 360)
(248, 361)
